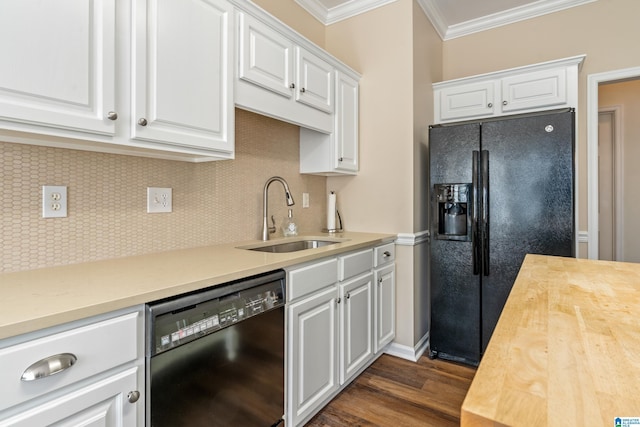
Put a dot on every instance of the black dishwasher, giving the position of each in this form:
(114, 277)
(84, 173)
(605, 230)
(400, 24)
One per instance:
(216, 357)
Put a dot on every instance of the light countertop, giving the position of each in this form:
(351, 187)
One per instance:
(37, 299)
(566, 350)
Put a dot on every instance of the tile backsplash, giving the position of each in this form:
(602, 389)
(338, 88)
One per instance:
(214, 202)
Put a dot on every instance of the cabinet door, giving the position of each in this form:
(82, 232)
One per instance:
(465, 101)
(346, 120)
(314, 81)
(104, 403)
(313, 363)
(59, 64)
(536, 90)
(385, 304)
(182, 73)
(356, 325)
(265, 57)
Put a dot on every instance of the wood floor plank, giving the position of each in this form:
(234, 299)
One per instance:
(398, 392)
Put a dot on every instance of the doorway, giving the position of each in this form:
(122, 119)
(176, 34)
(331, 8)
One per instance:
(610, 183)
(608, 149)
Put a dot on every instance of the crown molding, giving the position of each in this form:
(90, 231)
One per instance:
(433, 12)
(521, 13)
(346, 10)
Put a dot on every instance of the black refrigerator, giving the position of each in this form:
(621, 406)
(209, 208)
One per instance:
(499, 189)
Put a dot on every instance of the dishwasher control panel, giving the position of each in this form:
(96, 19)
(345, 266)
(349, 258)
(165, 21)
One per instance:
(187, 322)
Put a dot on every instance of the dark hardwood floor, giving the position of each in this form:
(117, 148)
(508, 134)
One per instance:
(397, 392)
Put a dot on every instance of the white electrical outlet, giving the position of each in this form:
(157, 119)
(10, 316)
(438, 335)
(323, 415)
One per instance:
(305, 200)
(159, 200)
(54, 201)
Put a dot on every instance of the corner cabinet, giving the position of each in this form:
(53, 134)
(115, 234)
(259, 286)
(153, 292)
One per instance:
(335, 153)
(333, 309)
(537, 87)
(125, 79)
(282, 75)
(90, 372)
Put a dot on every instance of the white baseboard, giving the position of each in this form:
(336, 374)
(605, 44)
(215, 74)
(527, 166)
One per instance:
(409, 353)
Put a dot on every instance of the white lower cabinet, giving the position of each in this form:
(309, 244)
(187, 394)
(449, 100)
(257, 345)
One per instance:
(87, 373)
(330, 333)
(313, 353)
(356, 325)
(384, 276)
(104, 403)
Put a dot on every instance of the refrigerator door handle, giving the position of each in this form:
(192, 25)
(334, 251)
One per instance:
(484, 179)
(475, 243)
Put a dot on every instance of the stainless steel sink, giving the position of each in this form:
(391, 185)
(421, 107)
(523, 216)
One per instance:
(297, 245)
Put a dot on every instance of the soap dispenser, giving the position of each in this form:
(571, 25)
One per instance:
(289, 227)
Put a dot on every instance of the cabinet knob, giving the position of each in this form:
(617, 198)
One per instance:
(386, 254)
(490, 105)
(292, 86)
(303, 90)
(348, 296)
(133, 396)
(142, 122)
(504, 102)
(380, 280)
(112, 115)
(338, 300)
(340, 159)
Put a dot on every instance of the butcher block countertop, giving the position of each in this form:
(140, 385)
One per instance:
(566, 350)
(37, 299)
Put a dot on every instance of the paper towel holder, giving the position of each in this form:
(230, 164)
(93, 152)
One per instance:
(335, 230)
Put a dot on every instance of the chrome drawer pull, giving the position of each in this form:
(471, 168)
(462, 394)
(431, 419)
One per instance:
(386, 254)
(49, 366)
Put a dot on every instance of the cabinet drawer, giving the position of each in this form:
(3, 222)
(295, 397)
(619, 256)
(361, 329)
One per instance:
(313, 277)
(97, 347)
(384, 254)
(354, 264)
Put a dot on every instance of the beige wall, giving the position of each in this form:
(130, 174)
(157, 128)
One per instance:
(627, 95)
(606, 31)
(380, 197)
(292, 14)
(215, 202)
(427, 68)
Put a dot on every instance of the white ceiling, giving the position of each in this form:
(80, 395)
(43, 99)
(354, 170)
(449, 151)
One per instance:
(451, 18)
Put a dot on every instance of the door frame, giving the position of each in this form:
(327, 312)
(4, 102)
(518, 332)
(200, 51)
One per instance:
(593, 81)
(615, 111)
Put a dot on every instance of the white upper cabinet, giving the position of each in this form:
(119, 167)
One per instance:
(264, 56)
(335, 153)
(149, 78)
(58, 65)
(467, 100)
(537, 87)
(182, 76)
(314, 80)
(531, 90)
(280, 78)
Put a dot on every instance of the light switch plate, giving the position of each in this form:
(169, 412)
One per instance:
(159, 200)
(54, 201)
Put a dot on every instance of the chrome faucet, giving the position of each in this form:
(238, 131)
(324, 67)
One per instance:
(265, 201)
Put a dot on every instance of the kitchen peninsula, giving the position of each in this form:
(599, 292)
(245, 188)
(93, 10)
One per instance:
(566, 350)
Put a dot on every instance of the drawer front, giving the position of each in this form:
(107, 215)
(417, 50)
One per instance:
(353, 264)
(311, 278)
(384, 254)
(97, 348)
